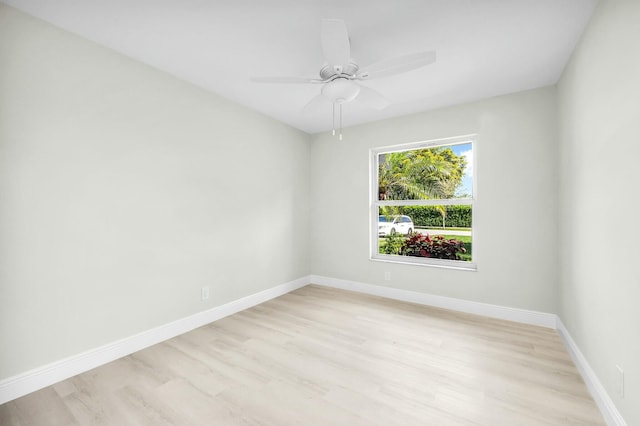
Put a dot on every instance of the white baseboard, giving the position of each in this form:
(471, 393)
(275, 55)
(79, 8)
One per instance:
(30, 381)
(38, 378)
(542, 319)
(608, 409)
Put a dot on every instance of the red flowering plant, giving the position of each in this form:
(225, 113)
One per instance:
(438, 247)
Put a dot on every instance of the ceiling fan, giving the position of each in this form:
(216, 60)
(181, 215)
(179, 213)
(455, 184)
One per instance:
(340, 73)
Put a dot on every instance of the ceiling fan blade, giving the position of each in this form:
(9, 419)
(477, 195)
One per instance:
(294, 80)
(335, 43)
(315, 104)
(397, 65)
(372, 98)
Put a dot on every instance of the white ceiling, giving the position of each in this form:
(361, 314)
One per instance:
(484, 47)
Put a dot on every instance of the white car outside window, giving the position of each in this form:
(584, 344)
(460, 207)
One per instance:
(388, 225)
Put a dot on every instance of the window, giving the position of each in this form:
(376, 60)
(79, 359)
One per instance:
(422, 197)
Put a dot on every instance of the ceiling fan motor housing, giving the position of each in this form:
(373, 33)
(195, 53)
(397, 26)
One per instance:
(327, 72)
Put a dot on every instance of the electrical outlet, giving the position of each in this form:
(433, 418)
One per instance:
(205, 293)
(620, 377)
(387, 276)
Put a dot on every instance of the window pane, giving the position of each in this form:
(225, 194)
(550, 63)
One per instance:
(438, 232)
(438, 173)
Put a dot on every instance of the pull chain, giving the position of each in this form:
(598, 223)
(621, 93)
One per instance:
(340, 122)
(333, 118)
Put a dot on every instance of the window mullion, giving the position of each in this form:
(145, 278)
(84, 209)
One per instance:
(444, 202)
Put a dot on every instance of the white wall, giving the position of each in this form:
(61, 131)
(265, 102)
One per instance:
(124, 190)
(515, 241)
(599, 98)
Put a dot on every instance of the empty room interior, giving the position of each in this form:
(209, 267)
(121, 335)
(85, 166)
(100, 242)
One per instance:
(319, 213)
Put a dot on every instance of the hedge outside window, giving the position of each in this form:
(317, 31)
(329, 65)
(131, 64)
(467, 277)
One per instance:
(422, 203)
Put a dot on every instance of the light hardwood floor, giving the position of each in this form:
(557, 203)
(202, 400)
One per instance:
(320, 356)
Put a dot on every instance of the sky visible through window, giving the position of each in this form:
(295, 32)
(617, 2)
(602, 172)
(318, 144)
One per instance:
(466, 186)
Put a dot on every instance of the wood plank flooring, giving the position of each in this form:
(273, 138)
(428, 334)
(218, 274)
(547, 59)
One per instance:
(320, 356)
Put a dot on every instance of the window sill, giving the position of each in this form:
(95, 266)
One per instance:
(421, 261)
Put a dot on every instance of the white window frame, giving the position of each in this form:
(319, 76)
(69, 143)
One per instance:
(375, 204)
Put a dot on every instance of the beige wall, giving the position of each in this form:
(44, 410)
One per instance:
(599, 98)
(515, 229)
(123, 191)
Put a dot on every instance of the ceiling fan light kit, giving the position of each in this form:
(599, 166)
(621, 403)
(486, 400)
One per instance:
(340, 72)
(340, 90)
